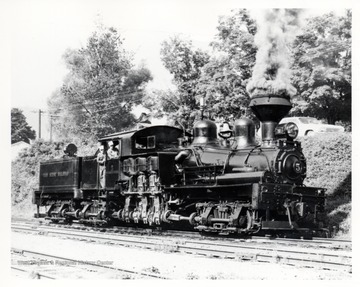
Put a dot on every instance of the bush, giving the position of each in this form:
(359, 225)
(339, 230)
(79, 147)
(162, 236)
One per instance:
(329, 166)
(329, 162)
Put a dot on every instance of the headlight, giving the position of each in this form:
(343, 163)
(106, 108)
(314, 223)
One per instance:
(292, 130)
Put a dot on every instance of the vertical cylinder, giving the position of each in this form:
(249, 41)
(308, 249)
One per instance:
(244, 133)
(268, 131)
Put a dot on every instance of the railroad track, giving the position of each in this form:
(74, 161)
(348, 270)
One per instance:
(76, 262)
(326, 243)
(254, 250)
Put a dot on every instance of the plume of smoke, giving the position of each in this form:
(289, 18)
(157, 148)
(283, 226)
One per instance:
(277, 28)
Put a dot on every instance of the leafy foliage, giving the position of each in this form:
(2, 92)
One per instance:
(223, 80)
(184, 63)
(100, 90)
(329, 166)
(322, 68)
(169, 104)
(20, 129)
(329, 161)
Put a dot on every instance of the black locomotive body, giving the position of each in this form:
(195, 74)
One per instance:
(226, 186)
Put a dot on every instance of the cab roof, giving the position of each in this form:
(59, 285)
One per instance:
(130, 133)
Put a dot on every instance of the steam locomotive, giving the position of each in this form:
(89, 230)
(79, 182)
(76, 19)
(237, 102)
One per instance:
(161, 178)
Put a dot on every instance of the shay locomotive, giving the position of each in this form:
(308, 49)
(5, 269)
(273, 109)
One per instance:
(162, 179)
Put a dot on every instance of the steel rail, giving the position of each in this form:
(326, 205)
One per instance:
(231, 250)
(140, 239)
(317, 242)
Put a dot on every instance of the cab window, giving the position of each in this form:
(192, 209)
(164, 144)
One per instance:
(148, 142)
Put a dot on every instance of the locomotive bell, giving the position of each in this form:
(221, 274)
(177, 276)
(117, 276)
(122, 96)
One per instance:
(205, 132)
(244, 133)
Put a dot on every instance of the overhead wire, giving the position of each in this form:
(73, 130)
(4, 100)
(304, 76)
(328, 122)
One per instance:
(103, 100)
(98, 102)
(102, 110)
(95, 102)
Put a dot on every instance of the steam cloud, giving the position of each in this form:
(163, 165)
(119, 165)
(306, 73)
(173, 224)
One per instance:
(277, 28)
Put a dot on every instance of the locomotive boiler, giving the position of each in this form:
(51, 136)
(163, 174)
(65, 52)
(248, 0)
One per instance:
(248, 187)
(231, 185)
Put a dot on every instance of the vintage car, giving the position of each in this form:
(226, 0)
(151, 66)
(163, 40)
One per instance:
(308, 126)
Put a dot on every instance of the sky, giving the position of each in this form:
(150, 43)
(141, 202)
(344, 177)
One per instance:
(41, 31)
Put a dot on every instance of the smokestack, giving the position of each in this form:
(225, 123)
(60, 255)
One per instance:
(270, 109)
(270, 87)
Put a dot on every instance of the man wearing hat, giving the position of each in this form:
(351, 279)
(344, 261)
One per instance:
(112, 152)
(225, 133)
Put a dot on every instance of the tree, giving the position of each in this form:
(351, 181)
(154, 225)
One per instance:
(169, 104)
(100, 90)
(322, 68)
(20, 130)
(184, 62)
(223, 80)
